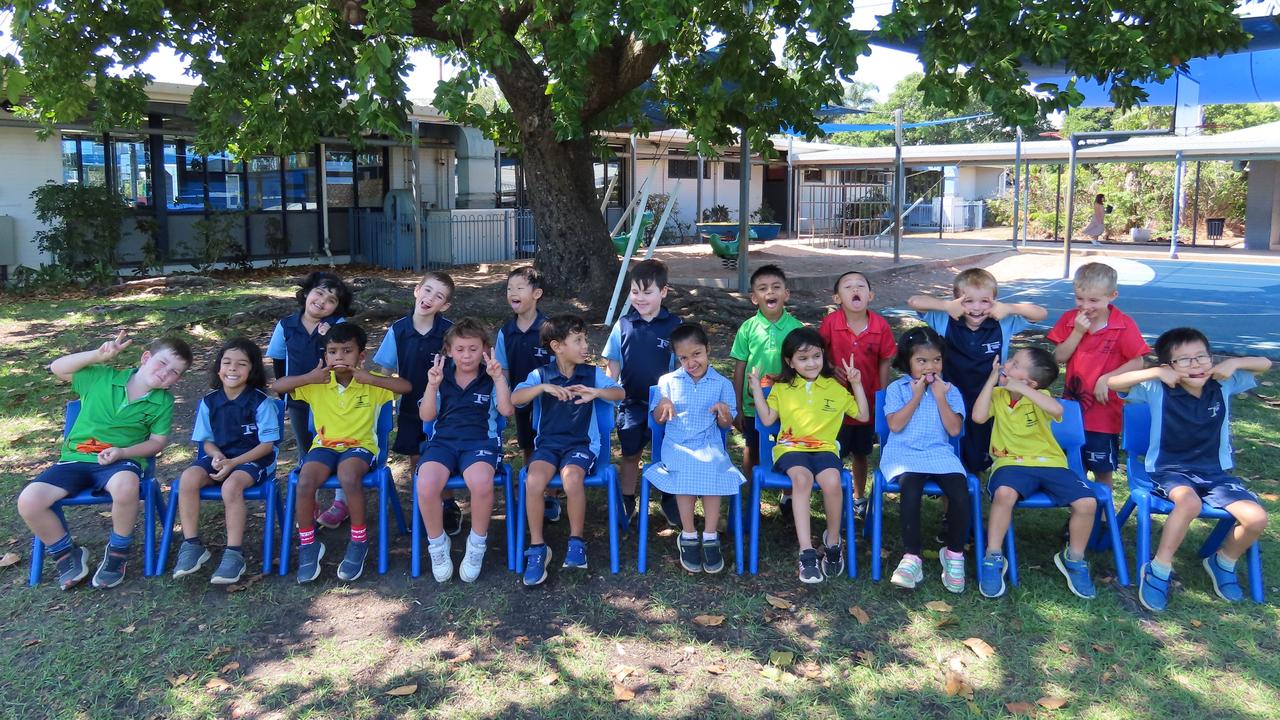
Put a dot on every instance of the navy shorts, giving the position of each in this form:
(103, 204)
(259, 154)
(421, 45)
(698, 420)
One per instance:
(1060, 484)
(75, 476)
(255, 471)
(409, 435)
(633, 428)
(524, 427)
(332, 458)
(750, 435)
(1101, 451)
(856, 440)
(458, 456)
(1218, 489)
(814, 462)
(563, 457)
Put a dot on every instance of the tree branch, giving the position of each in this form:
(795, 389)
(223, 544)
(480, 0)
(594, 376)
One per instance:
(619, 68)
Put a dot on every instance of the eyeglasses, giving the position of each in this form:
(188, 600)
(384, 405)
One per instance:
(1186, 362)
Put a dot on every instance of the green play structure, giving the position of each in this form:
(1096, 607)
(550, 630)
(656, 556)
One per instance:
(621, 239)
(726, 249)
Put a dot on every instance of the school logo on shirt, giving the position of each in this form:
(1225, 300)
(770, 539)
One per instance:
(663, 343)
(991, 348)
(540, 352)
(828, 405)
(482, 399)
(581, 455)
(362, 401)
(250, 429)
(1214, 409)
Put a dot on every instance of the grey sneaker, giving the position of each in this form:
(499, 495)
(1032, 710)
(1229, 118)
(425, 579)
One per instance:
(472, 560)
(352, 564)
(441, 562)
(73, 567)
(810, 573)
(309, 561)
(712, 557)
(111, 570)
(191, 557)
(690, 553)
(230, 569)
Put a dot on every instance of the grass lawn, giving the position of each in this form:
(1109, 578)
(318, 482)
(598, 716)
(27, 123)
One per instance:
(588, 644)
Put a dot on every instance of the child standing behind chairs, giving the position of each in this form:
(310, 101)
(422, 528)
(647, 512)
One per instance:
(810, 405)
(464, 397)
(237, 427)
(924, 412)
(697, 406)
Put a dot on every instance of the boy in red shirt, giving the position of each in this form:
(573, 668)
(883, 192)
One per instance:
(854, 330)
(1097, 341)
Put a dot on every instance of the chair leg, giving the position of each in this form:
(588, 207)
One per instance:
(1117, 547)
(850, 531)
(521, 520)
(754, 556)
(1011, 554)
(415, 538)
(642, 528)
(269, 500)
(1256, 590)
(979, 533)
(877, 525)
(396, 510)
(1125, 511)
(735, 507)
(1215, 539)
(286, 535)
(611, 491)
(385, 491)
(37, 562)
(1144, 537)
(150, 501)
(166, 530)
(508, 507)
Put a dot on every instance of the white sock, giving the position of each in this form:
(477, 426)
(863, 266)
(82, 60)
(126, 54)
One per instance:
(437, 541)
(710, 536)
(688, 535)
(477, 540)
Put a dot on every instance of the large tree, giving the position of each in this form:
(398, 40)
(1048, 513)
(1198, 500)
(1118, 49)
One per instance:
(277, 74)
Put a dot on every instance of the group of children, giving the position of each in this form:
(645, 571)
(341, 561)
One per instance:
(812, 390)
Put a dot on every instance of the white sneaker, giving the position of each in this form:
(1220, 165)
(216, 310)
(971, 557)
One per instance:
(910, 572)
(441, 563)
(472, 560)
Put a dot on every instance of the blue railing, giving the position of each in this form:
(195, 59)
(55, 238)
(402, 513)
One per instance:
(449, 238)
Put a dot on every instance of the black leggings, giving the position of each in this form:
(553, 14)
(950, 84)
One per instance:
(955, 488)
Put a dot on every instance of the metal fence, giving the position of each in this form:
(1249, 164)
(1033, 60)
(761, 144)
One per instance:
(956, 215)
(449, 238)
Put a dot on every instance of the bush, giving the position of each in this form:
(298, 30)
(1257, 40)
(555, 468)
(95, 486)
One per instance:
(216, 242)
(764, 214)
(83, 231)
(715, 213)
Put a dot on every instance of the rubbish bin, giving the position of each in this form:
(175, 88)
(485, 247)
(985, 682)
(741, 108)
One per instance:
(1213, 227)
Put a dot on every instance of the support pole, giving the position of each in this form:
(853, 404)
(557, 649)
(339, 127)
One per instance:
(1026, 201)
(417, 199)
(791, 176)
(1177, 205)
(702, 164)
(942, 198)
(744, 215)
(1071, 208)
(626, 258)
(899, 186)
(1195, 208)
(324, 200)
(1017, 170)
(1057, 204)
(657, 237)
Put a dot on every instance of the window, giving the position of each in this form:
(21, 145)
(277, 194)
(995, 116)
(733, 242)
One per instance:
(371, 178)
(605, 173)
(263, 174)
(682, 169)
(300, 181)
(84, 160)
(339, 178)
(225, 182)
(70, 161)
(131, 167)
(733, 171)
(813, 176)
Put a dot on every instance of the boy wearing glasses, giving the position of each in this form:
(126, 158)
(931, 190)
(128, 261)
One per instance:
(1189, 455)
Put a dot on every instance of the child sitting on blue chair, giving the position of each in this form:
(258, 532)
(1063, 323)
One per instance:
(1189, 456)
(344, 400)
(464, 397)
(697, 407)
(566, 439)
(124, 421)
(238, 426)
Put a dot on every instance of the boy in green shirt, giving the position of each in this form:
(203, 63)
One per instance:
(124, 420)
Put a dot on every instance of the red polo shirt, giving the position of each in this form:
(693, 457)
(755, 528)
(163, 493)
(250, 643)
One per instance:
(868, 348)
(1097, 354)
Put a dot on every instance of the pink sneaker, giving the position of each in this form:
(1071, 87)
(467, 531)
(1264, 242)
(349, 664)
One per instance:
(334, 516)
(952, 570)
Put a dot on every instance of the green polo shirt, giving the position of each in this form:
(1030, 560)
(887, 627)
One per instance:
(108, 419)
(759, 345)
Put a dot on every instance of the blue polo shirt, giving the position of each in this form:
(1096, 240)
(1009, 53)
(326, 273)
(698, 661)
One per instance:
(520, 352)
(642, 349)
(409, 354)
(967, 362)
(564, 425)
(1189, 432)
(236, 426)
(465, 414)
(299, 348)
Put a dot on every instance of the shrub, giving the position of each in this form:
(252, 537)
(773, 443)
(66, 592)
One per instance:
(83, 229)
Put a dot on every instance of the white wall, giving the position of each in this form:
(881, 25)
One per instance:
(29, 163)
(436, 178)
(977, 183)
(715, 190)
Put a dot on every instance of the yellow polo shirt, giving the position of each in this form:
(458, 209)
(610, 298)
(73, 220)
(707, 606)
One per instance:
(1022, 435)
(810, 414)
(344, 417)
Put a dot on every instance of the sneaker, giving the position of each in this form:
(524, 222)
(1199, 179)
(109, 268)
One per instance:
(670, 510)
(472, 560)
(860, 506)
(712, 557)
(1224, 581)
(784, 510)
(230, 569)
(334, 516)
(452, 517)
(1153, 592)
(832, 558)
(910, 572)
(73, 567)
(309, 561)
(690, 553)
(952, 570)
(810, 573)
(111, 571)
(191, 557)
(441, 563)
(551, 510)
(535, 565)
(1077, 574)
(352, 565)
(991, 575)
(575, 556)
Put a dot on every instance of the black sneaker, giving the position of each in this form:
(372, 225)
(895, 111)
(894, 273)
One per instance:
(670, 510)
(690, 553)
(111, 570)
(784, 510)
(860, 509)
(712, 558)
(832, 561)
(73, 567)
(810, 573)
(452, 517)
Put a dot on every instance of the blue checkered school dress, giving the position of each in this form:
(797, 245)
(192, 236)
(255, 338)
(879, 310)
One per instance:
(694, 459)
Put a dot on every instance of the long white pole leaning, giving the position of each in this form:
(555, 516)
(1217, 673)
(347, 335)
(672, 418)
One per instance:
(1017, 188)
(417, 200)
(744, 214)
(1177, 205)
(604, 201)
(1026, 201)
(657, 236)
(899, 186)
(626, 258)
(1071, 208)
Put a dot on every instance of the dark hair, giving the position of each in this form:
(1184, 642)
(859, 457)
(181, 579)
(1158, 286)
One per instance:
(257, 372)
(1099, 198)
(1171, 339)
(836, 287)
(649, 272)
(466, 328)
(687, 332)
(558, 328)
(346, 332)
(440, 277)
(796, 340)
(175, 345)
(1044, 369)
(769, 270)
(921, 336)
(326, 281)
(529, 274)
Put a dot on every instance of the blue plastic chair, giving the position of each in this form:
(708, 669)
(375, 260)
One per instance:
(763, 477)
(1143, 503)
(149, 493)
(658, 431)
(880, 486)
(265, 491)
(1070, 436)
(501, 479)
(378, 478)
(605, 476)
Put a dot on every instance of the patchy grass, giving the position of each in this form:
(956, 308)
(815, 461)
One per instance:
(183, 649)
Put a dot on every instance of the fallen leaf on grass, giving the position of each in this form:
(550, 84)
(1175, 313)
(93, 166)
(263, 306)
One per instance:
(622, 693)
(781, 658)
(955, 685)
(860, 615)
(233, 665)
(548, 680)
(460, 658)
(709, 620)
(809, 670)
(716, 669)
(128, 629)
(1063, 647)
(177, 680)
(938, 606)
(866, 657)
(980, 647)
(621, 672)
(1020, 708)
(402, 690)
(1051, 703)
(520, 640)
(1196, 623)
(1100, 648)
(1106, 677)
(244, 584)
(105, 514)
(217, 684)
(9, 559)
(31, 643)
(779, 603)
(216, 652)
